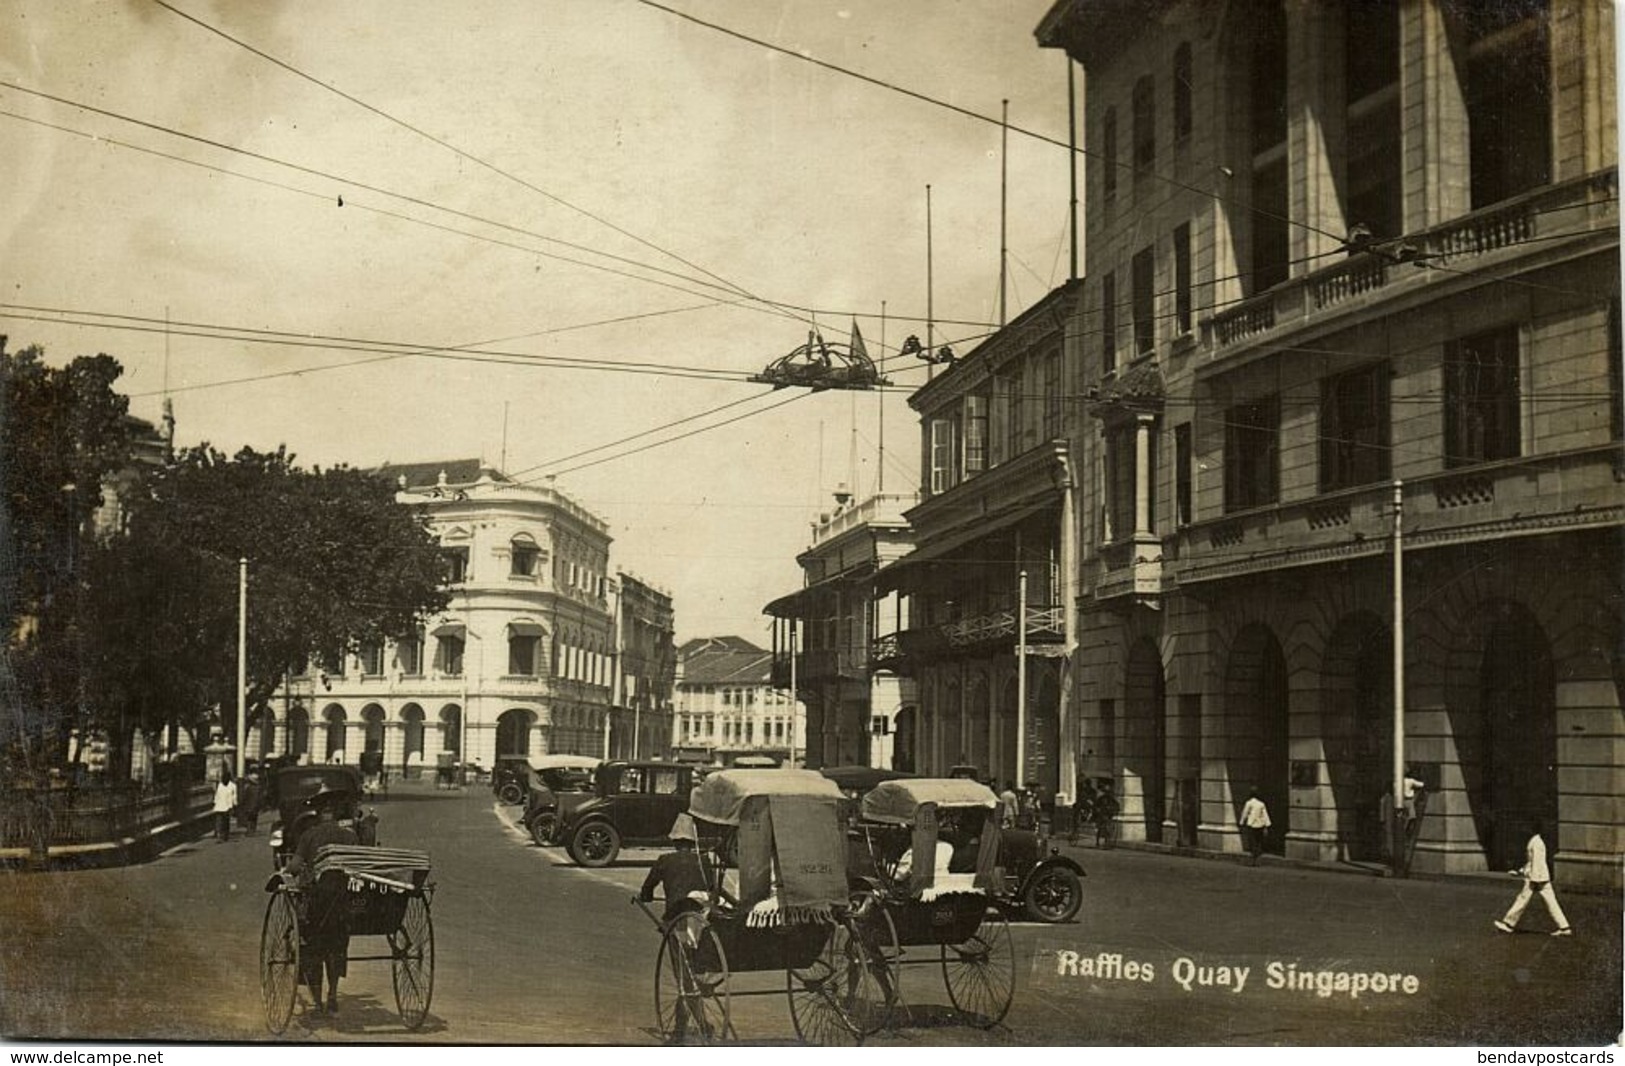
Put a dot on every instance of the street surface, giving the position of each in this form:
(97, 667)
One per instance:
(532, 949)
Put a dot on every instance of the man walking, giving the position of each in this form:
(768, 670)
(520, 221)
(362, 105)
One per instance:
(225, 802)
(1537, 881)
(1254, 822)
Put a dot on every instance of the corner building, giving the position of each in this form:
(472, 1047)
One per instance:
(1332, 247)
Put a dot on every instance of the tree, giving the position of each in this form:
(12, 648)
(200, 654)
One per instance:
(334, 562)
(62, 432)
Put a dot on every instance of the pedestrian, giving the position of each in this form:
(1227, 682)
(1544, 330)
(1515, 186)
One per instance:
(225, 802)
(248, 803)
(1413, 790)
(326, 947)
(1009, 805)
(680, 872)
(1105, 814)
(1537, 881)
(1083, 808)
(1254, 822)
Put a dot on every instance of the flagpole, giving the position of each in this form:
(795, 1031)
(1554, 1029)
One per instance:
(880, 395)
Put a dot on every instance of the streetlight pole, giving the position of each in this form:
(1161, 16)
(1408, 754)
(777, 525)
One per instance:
(242, 666)
(794, 693)
(1021, 681)
(1396, 820)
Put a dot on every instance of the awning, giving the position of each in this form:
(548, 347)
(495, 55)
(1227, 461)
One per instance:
(898, 802)
(938, 548)
(784, 606)
(447, 629)
(721, 797)
(521, 628)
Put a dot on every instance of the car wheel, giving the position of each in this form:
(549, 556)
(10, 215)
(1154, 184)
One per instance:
(596, 844)
(510, 793)
(1053, 895)
(542, 828)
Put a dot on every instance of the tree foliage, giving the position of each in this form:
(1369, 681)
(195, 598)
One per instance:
(62, 431)
(333, 562)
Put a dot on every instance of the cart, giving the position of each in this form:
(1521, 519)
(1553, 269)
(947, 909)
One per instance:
(908, 894)
(379, 892)
(784, 909)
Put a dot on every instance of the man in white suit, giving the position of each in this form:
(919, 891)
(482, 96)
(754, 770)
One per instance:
(1537, 881)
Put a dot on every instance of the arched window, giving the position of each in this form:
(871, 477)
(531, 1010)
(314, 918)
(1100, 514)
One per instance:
(524, 555)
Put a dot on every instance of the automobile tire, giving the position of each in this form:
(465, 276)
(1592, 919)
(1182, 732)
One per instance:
(510, 793)
(542, 828)
(1053, 895)
(595, 844)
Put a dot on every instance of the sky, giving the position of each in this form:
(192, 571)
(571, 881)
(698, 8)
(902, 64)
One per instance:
(560, 180)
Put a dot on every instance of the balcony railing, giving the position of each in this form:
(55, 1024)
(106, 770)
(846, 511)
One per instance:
(821, 664)
(888, 507)
(1572, 208)
(1564, 490)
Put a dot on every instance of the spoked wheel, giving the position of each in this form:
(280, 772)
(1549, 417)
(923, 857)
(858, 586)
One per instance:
(873, 923)
(596, 844)
(412, 949)
(279, 961)
(1054, 895)
(542, 828)
(691, 983)
(510, 793)
(981, 972)
(839, 999)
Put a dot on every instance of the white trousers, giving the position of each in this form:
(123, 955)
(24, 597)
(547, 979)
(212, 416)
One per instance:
(1543, 889)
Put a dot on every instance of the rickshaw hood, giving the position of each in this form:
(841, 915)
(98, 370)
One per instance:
(722, 796)
(898, 802)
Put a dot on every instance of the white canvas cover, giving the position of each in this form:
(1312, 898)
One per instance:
(565, 762)
(721, 797)
(898, 802)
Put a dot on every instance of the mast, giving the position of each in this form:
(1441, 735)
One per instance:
(1004, 206)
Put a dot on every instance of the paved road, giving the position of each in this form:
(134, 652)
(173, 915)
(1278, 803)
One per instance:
(533, 949)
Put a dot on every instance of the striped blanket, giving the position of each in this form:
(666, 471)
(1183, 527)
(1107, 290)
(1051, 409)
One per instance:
(383, 869)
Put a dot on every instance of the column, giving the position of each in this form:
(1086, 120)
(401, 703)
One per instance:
(1142, 475)
(1317, 131)
(1433, 110)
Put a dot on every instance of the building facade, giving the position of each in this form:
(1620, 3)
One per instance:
(727, 706)
(645, 670)
(857, 715)
(993, 535)
(520, 663)
(1352, 268)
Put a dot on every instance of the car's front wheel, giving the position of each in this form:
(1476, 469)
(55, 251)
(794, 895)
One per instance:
(595, 844)
(542, 828)
(1053, 895)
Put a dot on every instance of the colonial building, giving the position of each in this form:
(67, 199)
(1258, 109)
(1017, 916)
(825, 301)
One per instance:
(520, 663)
(727, 706)
(645, 670)
(857, 715)
(1352, 268)
(993, 533)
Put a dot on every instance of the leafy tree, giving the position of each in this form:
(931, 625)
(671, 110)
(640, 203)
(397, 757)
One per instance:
(63, 430)
(333, 562)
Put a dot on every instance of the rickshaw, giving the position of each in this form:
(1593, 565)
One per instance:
(785, 909)
(909, 894)
(378, 892)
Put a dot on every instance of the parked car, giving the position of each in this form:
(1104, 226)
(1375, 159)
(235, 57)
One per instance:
(510, 779)
(563, 783)
(633, 804)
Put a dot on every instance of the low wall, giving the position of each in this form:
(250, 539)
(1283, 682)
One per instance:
(104, 825)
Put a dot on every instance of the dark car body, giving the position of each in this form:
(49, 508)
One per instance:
(553, 795)
(289, 787)
(511, 778)
(633, 804)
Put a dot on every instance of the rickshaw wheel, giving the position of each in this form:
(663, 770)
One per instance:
(411, 946)
(279, 960)
(839, 999)
(874, 924)
(981, 972)
(691, 983)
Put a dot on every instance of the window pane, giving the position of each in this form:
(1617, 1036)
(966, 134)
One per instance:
(1145, 123)
(1182, 474)
(1182, 278)
(1354, 421)
(1145, 328)
(1182, 91)
(1481, 398)
(1108, 150)
(1108, 322)
(1250, 453)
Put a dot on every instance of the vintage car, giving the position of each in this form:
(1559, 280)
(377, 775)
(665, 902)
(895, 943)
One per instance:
(633, 804)
(561, 784)
(510, 779)
(1038, 882)
(287, 789)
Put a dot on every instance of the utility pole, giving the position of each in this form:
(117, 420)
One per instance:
(794, 693)
(1396, 821)
(242, 666)
(1021, 681)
